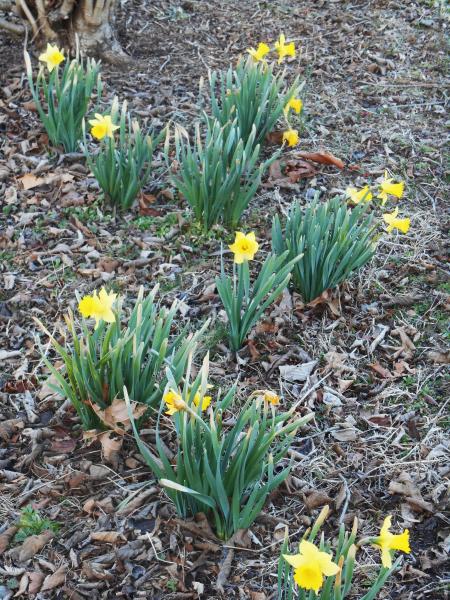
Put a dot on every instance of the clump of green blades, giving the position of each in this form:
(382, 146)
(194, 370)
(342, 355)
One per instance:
(219, 175)
(253, 95)
(122, 165)
(226, 469)
(333, 239)
(67, 97)
(101, 362)
(245, 302)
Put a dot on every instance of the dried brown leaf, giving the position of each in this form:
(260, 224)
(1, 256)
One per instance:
(55, 579)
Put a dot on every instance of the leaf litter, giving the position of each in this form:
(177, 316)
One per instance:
(372, 360)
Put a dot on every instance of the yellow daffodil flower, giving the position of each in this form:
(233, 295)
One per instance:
(205, 400)
(284, 49)
(260, 52)
(310, 566)
(102, 126)
(98, 307)
(291, 137)
(387, 188)
(271, 398)
(356, 195)
(392, 222)
(388, 541)
(174, 402)
(244, 248)
(295, 103)
(53, 56)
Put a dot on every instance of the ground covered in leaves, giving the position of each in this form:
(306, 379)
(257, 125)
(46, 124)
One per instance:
(372, 361)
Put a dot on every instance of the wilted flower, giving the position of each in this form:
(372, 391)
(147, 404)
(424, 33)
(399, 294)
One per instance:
(291, 137)
(388, 541)
(245, 247)
(53, 56)
(284, 49)
(310, 566)
(174, 402)
(271, 398)
(102, 126)
(387, 188)
(295, 103)
(392, 222)
(260, 52)
(98, 307)
(356, 195)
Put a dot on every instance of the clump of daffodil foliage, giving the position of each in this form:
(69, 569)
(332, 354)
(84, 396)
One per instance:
(219, 174)
(223, 466)
(257, 96)
(99, 362)
(317, 572)
(123, 162)
(67, 94)
(332, 239)
(245, 301)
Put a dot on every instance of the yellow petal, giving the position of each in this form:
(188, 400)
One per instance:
(309, 550)
(327, 566)
(386, 558)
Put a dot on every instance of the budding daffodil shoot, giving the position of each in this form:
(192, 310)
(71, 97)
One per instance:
(98, 307)
(291, 137)
(388, 541)
(394, 223)
(356, 196)
(245, 247)
(174, 402)
(102, 126)
(284, 49)
(260, 52)
(311, 566)
(53, 56)
(387, 188)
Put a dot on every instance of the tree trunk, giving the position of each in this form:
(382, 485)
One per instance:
(88, 23)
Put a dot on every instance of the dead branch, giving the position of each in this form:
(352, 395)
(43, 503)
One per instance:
(14, 28)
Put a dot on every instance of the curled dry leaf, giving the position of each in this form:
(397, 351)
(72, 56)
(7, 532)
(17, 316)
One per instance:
(32, 545)
(440, 358)
(324, 158)
(116, 416)
(5, 538)
(55, 579)
(108, 537)
(299, 372)
(35, 581)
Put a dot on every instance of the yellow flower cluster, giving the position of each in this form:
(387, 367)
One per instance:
(283, 49)
(175, 402)
(386, 188)
(312, 565)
